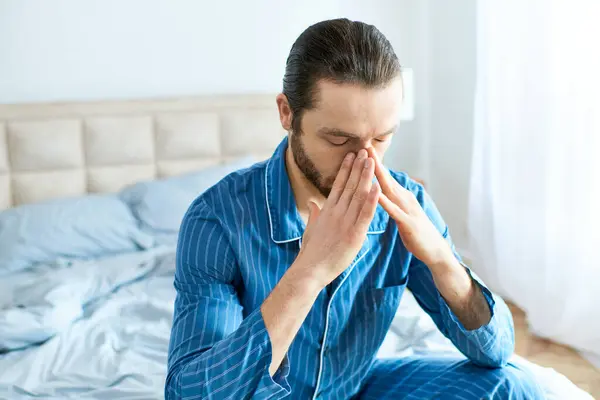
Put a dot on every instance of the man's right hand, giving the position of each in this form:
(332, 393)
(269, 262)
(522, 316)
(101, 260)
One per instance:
(333, 237)
(335, 234)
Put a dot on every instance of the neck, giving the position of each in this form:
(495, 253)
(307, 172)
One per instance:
(304, 191)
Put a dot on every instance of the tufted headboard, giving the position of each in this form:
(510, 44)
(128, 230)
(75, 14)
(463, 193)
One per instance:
(59, 149)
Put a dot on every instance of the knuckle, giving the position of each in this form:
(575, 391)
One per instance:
(337, 214)
(351, 187)
(337, 185)
(360, 196)
(333, 213)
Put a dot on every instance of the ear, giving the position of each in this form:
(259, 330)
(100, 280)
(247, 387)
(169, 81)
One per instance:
(285, 112)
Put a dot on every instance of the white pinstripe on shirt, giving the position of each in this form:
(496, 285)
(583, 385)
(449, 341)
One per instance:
(236, 242)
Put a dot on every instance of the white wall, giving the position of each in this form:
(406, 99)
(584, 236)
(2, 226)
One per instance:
(63, 50)
(55, 50)
(452, 89)
(114, 49)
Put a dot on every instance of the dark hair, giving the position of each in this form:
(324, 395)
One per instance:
(341, 51)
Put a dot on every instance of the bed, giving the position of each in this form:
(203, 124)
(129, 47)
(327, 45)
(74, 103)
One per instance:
(86, 265)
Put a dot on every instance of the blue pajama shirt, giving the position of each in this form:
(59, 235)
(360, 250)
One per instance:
(236, 242)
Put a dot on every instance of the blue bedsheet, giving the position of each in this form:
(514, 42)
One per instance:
(104, 326)
(100, 330)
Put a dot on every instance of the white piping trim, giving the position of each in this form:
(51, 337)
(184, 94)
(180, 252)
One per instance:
(327, 323)
(271, 219)
(269, 208)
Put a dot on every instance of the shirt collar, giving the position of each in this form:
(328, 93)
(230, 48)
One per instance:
(284, 219)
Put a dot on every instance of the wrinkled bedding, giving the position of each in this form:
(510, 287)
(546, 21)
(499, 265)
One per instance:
(100, 329)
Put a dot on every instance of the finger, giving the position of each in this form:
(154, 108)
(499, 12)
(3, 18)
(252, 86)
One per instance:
(362, 191)
(340, 180)
(383, 176)
(389, 186)
(391, 208)
(313, 213)
(368, 210)
(354, 179)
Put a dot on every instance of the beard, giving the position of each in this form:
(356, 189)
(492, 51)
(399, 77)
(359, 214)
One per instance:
(307, 167)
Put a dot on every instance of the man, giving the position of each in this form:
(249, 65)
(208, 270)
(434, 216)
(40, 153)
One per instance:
(289, 273)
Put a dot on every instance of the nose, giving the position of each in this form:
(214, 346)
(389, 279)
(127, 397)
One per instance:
(363, 144)
(367, 145)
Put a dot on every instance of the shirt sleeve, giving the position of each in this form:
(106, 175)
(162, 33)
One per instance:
(490, 345)
(214, 352)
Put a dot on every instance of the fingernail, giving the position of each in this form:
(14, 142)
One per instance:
(362, 153)
(368, 162)
(349, 157)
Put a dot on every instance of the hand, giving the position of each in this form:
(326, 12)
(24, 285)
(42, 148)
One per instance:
(335, 234)
(417, 232)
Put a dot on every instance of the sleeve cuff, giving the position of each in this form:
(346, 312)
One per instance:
(276, 386)
(282, 373)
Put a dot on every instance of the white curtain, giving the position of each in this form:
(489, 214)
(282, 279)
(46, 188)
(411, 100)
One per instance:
(534, 213)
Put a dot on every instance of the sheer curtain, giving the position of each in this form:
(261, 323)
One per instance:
(534, 213)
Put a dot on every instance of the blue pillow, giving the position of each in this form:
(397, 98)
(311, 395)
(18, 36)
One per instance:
(160, 205)
(79, 228)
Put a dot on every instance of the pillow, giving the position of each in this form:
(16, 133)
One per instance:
(161, 204)
(79, 227)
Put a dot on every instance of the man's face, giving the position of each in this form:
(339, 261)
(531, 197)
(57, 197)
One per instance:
(347, 118)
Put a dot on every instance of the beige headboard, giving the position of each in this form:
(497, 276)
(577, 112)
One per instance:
(59, 150)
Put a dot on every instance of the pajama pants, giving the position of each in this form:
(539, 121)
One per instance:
(446, 377)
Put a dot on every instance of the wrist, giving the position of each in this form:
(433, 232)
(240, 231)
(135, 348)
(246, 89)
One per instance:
(306, 278)
(307, 275)
(445, 262)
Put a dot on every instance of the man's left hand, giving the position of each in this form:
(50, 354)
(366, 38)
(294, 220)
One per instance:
(419, 235)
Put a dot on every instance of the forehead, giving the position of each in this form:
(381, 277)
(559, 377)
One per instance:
(354, 108)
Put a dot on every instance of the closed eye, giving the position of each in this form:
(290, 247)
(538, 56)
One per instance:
(338, 143)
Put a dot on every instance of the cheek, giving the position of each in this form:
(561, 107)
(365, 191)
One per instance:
(329, 163)
(327, 159)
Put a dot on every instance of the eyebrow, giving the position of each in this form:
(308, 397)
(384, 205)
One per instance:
(340, 133)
